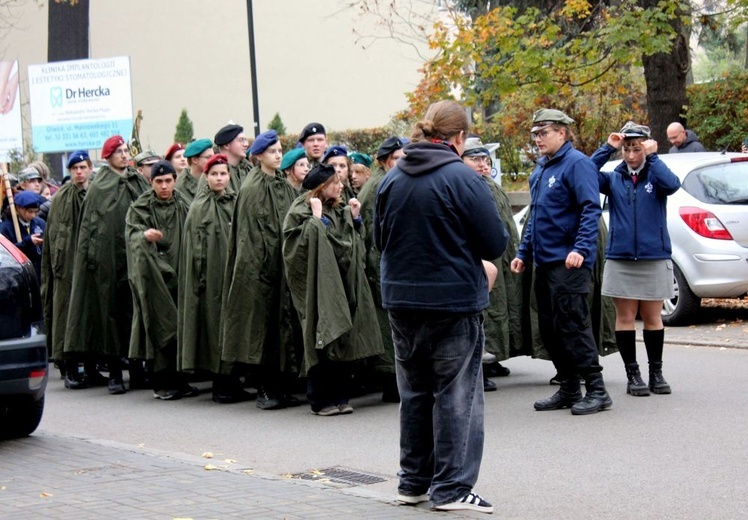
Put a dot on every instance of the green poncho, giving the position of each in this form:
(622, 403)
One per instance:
(386, 362)
(238, 173)
(257, 311)
(100, 297)
(153, 274)
(325, 270)
(503, 317)
(58, 256)
(202, 262)
(187, 185)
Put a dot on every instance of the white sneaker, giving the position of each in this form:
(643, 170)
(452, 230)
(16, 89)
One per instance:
(412, 500)
(471, 501)
(488, 358)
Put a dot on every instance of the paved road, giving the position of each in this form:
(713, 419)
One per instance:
(679, 456)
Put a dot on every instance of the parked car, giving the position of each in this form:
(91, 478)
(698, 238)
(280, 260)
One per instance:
(23, 349)
(708, 226)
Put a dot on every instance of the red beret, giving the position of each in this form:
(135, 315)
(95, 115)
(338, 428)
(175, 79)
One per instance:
(110, 145)
(216, 159)
(172, 149)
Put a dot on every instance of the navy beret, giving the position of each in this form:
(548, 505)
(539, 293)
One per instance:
(28, 199)
(263, 141)
(76, 157)
(335, 151)
(162, 168)
(318, 176)
(227, 134)
(389, 145)
(310, 130)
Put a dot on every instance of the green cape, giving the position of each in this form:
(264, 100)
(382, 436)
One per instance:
(153, 274)
(58, 256)
(100, 296)
(202, 262)
(325, 271)
(187, 185)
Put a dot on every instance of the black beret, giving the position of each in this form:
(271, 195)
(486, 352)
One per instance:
(162, 168)
(388, 146)
(227, 134)
(310, 130)
(318, 176)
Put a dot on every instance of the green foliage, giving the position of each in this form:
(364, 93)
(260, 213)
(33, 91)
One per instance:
(185, 132)
(718, 112)
(277, 124)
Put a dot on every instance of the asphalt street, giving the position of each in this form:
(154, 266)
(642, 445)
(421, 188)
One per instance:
(683, 455)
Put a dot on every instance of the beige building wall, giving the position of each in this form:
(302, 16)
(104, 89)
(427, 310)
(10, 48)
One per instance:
(194, 54)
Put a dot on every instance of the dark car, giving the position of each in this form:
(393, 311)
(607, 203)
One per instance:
(23, 349)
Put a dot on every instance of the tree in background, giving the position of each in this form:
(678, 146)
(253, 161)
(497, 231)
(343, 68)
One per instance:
(277, 125)
(185, 132)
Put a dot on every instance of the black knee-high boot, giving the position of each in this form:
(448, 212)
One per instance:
(626, 342)
(654, 341)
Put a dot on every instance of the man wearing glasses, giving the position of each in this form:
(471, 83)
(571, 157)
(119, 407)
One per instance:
(682, 140)
(233, 143)
(561, 240)
(197, 153)
(99, 325)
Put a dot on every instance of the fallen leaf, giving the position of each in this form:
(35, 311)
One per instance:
(210, 467)
(248, 472)
(2, 488)
(230, 461)
(141, 445)
(317, 472)
(207, 455)
(44, 494)
(287, 475)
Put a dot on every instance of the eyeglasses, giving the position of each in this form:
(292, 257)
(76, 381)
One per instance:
(479, 159)
(122, 151)
(541, 134)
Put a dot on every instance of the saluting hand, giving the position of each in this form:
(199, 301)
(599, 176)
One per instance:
(616, 140)
(355, 207)
(316, 205)
(650, 146)
(153, 235)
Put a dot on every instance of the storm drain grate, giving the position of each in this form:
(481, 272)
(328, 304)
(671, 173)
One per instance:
(339, 477)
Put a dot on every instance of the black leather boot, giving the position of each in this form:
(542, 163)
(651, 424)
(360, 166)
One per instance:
(74, 380)
(567, 395)
(657, 383)
(635, 384)
(597, 398)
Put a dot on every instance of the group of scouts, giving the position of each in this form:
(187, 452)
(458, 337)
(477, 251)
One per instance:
(242, 265)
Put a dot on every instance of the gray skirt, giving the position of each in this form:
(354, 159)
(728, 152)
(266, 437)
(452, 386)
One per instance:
(648, 280)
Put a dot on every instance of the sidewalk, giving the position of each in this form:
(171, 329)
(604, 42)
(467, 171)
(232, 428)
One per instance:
(48, 476)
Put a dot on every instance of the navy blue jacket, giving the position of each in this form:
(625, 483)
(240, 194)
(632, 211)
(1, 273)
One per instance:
(34, 253)
(638, 221)
(434, 220)
(564, 209)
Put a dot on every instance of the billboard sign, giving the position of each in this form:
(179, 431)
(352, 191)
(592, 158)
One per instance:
(79, 104)
(11, 131)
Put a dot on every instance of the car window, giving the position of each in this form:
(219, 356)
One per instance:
(719, 184)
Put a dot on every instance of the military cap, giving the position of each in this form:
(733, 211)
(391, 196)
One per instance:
(111, 144)
(317, 176)
(146, 157)
(162, 167)
(195, 148)
(474, 146)
(361, 158)
(263, 141)
(28, 199)
(633, 131)
(172, 150)
(334, 151)
(227, 134)
(218, 158)
(29, 174)
(76, 157)
(290, 158)
(549, 116)
(388, 146)
(310, 130)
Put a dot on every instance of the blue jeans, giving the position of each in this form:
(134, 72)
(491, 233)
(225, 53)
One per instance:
(440, 379)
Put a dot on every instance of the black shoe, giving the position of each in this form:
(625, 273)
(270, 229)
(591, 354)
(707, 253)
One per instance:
(167, 394)
(488, 385)
(75, 384)
(116, 387)
(96, 379)
(634, 383)
(596, 399)
(555, 380)
(657, 383)
(235, 396)
(496, 370)
(566, 397)
(290, 401)
(267, 400)
(189, 391)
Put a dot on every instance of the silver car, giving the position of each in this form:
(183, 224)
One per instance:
(708, 226)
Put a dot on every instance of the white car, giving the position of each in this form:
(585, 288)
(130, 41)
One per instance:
(708, 226)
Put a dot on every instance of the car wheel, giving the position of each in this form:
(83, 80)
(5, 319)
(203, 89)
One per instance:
(679, 309)
(20, 419)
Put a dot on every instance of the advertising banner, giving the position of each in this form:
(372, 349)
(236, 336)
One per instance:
(79, 104)
(11, 131)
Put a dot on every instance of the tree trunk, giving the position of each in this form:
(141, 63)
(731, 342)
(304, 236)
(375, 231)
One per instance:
(666, 78)
(67, 39)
